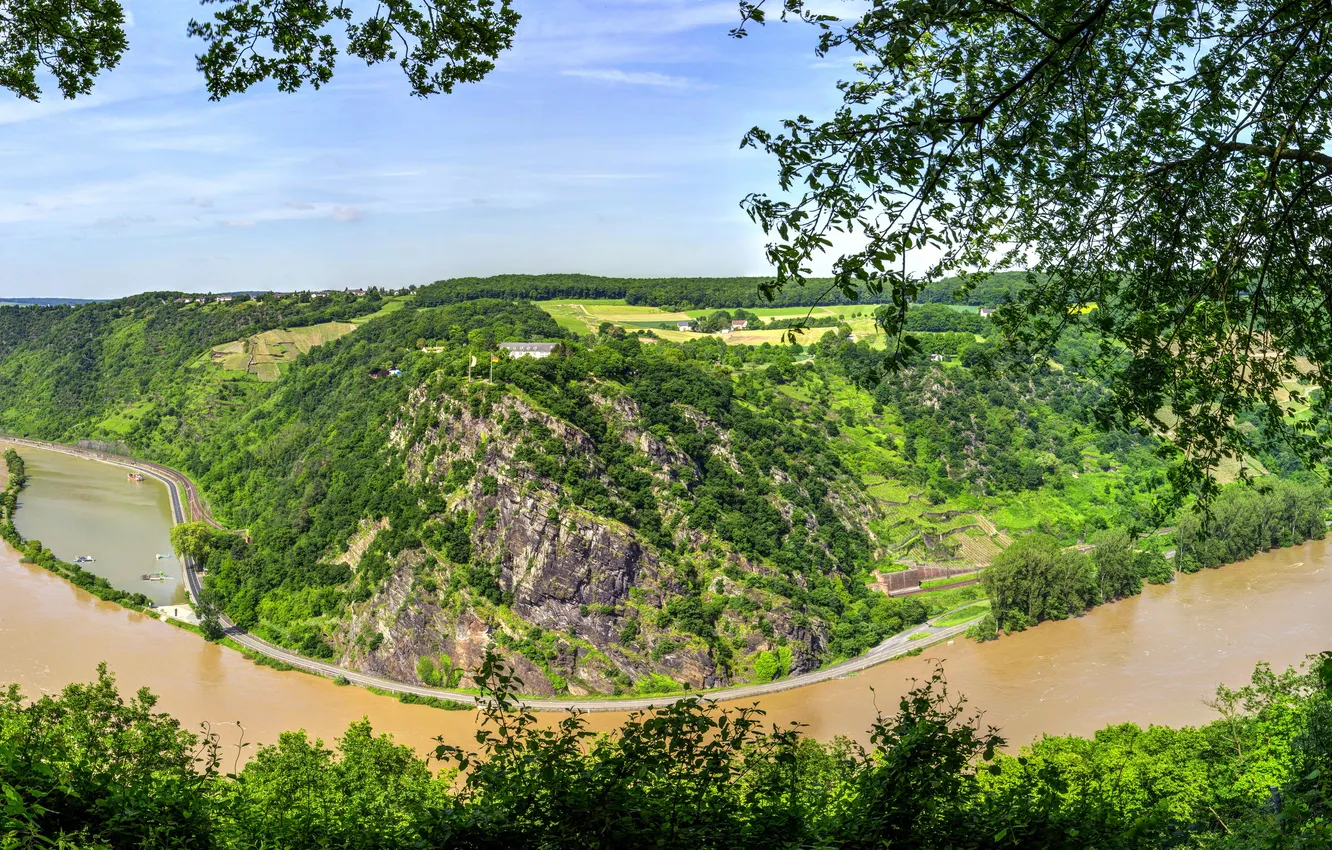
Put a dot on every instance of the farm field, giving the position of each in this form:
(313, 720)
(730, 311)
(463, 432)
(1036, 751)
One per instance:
(585, 316)
(265, 355)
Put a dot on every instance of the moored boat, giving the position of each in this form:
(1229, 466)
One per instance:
(134, 476)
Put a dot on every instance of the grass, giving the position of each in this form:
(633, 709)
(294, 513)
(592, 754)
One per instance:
(919, 636)
(962, 615)
(392, 304)
(942, 601)
(943, 582)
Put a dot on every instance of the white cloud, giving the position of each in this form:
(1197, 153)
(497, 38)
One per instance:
(239, 222)
(347, 214)
(635, 78)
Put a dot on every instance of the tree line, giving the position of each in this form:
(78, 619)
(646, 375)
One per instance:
(1037, 579)
(87, 768)
(697, 293)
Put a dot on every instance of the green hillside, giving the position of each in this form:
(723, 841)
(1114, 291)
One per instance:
(628, 515)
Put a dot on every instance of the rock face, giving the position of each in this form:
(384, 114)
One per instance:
(576, 601)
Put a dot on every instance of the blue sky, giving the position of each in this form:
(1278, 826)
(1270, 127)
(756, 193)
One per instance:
(606, 142)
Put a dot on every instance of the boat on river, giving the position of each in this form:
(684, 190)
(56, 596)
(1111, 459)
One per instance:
(157, 576)
(84, 559)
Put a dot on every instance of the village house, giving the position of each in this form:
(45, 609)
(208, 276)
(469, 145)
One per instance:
(529, 349)
(987, 311)
(739, 324)
(937, 358)
(684, 327)
(357, 292)
(223, 298)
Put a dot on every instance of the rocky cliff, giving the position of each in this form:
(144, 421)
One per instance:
(579, 600)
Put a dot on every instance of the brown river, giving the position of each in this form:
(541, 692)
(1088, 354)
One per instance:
(1155, 658)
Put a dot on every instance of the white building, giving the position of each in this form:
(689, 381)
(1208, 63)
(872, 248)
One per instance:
(683, 327)
(529, 349)
(987, 311)
(739, 324)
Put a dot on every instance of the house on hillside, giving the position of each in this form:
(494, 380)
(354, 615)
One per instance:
(223, 298)
(529, 349)
(182, 300)
(357, 292)
(739, 324)
(937, 358)
(684, 327)
(987, 311)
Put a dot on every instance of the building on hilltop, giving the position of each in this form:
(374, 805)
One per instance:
(529, 349)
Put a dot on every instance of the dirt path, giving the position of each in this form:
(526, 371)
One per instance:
(194, 508)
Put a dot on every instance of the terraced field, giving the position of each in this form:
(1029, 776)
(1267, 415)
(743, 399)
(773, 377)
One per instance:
(265, 355)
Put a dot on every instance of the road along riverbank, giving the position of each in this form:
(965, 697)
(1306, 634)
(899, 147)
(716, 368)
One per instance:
(188, 505)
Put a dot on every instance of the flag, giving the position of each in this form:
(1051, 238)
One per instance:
(473, 363)
(494, 358)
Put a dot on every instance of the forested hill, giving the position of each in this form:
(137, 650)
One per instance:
(66, 369)
(626, 515)
(693, 293)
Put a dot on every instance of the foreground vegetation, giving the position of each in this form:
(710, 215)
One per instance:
(87, 769)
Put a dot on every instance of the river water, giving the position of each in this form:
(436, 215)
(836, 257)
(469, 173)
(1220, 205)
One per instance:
(1155, 658)
(79, 508)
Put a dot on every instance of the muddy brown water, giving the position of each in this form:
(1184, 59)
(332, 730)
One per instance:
(79, 508)
(1155, 658)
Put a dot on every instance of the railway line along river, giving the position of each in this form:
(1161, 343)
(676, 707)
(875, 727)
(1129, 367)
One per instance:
(1154, 658)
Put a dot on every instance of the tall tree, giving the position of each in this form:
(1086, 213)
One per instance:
(1163, 160)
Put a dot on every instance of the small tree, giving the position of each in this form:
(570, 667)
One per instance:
(192, 540)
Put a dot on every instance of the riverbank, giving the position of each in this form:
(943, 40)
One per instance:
(188, 505)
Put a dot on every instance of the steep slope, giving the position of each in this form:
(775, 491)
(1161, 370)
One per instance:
(610, 516)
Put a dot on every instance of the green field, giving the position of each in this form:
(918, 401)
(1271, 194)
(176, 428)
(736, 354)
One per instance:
(587, 315)
(392, 304)
(962, 615)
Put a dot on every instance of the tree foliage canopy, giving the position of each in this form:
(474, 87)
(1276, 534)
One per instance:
(1163, 161)
(437, 43)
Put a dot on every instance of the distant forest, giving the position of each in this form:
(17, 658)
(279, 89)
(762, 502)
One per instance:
(696, 293)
